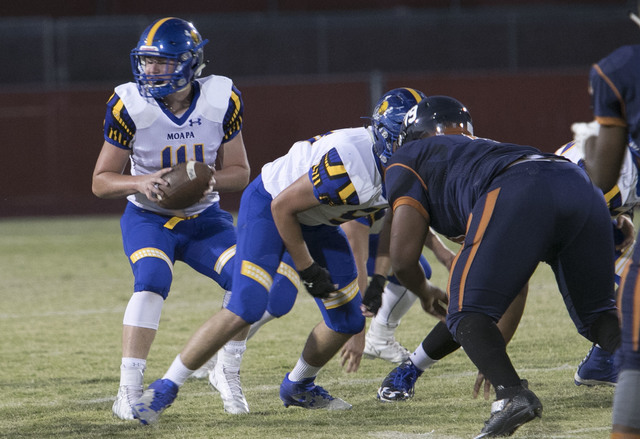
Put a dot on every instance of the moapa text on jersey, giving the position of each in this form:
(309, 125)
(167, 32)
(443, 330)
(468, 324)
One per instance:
(180, 135)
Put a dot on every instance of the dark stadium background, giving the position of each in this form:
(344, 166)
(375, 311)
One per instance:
(303, 67)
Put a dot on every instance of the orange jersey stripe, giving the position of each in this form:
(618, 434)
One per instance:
(596, 67)
(490, 204)
(413, 171)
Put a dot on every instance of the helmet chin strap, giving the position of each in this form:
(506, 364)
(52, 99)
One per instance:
(199, 69)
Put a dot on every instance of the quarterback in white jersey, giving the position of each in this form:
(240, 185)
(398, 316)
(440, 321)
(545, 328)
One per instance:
(168, 116)
(159, 139)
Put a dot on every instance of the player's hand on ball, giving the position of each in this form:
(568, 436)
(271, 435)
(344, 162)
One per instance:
(212, 184)
(186, 185)
(151, 184)
(318, 281)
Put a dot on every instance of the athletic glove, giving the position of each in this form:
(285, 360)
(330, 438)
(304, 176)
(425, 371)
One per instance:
(317, 281)
(372, 299)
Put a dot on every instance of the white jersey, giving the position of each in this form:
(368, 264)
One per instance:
(344, 172)
(624, 196)
(161, 139)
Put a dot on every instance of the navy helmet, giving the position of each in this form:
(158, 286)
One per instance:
(435, 116)
(175, 44)
(387, 118)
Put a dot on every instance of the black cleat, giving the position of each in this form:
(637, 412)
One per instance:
(509, 414)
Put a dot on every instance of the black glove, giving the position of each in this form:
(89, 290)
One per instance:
(372, 299)
(318, 281)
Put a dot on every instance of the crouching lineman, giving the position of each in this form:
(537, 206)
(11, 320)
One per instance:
(295, 205)
(524, 206)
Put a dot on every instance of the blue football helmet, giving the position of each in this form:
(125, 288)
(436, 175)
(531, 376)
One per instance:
(387, 118)
(175, 44)
(435, 116)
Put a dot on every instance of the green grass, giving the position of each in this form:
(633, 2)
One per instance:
(66, 282)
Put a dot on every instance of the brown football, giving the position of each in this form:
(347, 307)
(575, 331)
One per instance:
(187, 183)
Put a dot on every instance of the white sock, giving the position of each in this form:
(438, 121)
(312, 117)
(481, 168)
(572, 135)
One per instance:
(303, 370)
(421, 360)
(382, 331)
(132, 371)
(230, 356)
(178, 372)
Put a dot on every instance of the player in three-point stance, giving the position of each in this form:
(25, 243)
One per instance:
(295, 206)
(515, 206)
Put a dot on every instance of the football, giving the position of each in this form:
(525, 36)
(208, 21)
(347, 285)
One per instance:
(187, 183)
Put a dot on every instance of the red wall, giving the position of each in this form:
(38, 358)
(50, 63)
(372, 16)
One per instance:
(52, 139)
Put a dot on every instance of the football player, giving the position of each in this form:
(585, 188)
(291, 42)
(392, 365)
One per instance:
(515, 206)
(168, 115)
(391, 302)
(614, 85)
(598, 367)
(295, 206)
(386, 302)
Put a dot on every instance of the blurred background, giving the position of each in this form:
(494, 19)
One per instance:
(303, 67)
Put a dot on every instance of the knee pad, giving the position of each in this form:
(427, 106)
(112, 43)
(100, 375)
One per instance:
(347, 319)
(284, 290)
(153, 274)
(465, 325)
(144, 310)
(248, 300)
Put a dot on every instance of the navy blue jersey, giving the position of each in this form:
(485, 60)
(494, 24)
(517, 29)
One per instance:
(515, 206)
(444, 176)
(614, 84)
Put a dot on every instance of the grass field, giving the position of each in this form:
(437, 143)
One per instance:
(66, 282)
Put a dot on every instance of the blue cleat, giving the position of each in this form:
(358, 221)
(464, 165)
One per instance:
(154, 400)
(399, 384)
(596, 369)
(309, 396)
